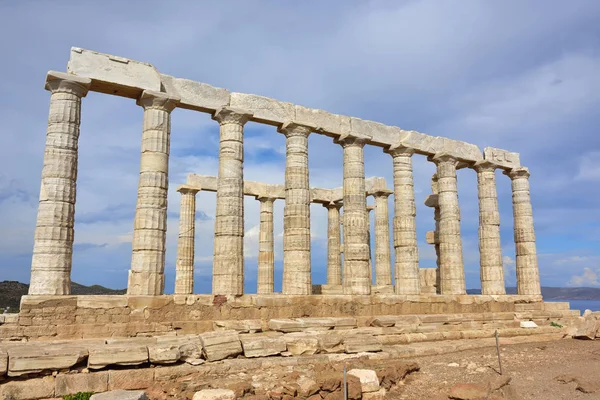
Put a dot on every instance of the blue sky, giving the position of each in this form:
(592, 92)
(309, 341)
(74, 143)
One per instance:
(522, 76)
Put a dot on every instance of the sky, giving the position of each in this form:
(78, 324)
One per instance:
(522, 76)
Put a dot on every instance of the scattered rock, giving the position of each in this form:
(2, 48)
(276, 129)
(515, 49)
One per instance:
(354, 387)
(218, 345)
(378, 395)
(368, 379)
(393, 374)
(240, 389)
(468, 391)
(453, 364)
(588, 328)
(307, 387)
(163, 354)
(214, 394)
(587, 386)
(498, 382)
(528, 324)
(121, 395)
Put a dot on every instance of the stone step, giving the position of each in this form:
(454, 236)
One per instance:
(301, 324)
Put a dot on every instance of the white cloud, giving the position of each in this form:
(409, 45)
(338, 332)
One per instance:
(588, 278)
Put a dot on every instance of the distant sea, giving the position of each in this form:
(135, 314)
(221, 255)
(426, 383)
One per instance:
(582, 305)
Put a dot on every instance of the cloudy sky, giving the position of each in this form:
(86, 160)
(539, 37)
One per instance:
(522, 76)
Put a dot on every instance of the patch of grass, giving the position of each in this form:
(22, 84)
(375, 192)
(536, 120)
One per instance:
(79, 396)
(552, 323)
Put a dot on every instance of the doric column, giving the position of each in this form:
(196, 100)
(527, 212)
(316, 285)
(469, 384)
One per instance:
(357, 275)
(334, 258)
(373, 271)
(452, 273)
(296, 212)
(406, 263)
(383, 265)
(184, 267)
(146, 276)
(228, 261)
(528, 274)
(490, 248)
(266, 255)
(53, 240)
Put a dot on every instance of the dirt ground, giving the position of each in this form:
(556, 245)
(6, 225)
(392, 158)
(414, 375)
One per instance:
(532, 367)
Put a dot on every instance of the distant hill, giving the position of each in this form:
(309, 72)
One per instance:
(558, 293)
(11, 292)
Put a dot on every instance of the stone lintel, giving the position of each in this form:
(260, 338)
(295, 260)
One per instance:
(503, 158)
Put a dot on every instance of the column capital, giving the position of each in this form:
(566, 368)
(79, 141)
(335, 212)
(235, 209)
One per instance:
(382, 193)
(265, 199)
(184, 189)
(231, 115)
(515, 173)
(333, 204)
(291, 128)
(150, 99)
(397, 150)
(57, 82)
(485, 166)
(370, 208)
(350, 140)
(443, 158)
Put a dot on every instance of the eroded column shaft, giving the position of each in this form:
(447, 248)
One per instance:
(53, 239)
(490, 248)
(528, 274)
(383, 267)
(296, 212)
(184, 266)
(266, 255)
(452, 274)
(146, 276)
(334, 257)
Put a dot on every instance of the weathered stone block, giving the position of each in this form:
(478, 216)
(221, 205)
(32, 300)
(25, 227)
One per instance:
(241, 326)
(301, 344)
(263, 346)
(29, 359)
(220, 345)
(121, 395)
(361, 343)
(41, 388)
(3, 362)
(368, 379)
(131, 378)
(323, 120)
(103, 356)
(195, 95)
(163, 353)
(501, 157)
(214, 394)
(73, 383)
(264, 109)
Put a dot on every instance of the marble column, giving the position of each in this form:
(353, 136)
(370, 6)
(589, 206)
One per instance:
(357, 275)
(296, 213)
(228, 260)
(406, 263)
(383, 262)
(334, 257)
(146, 276)
(373, 271)
(490, 248)
(452, 273)
(53, 239)
(528, 274)
(184, 266)
(266, 255)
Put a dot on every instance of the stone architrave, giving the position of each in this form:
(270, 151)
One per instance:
(406, 263)
(184, 267)
(334, 257)
(490, 248)
(528, 274)
(452, 273)
(383, 263)
(53, 239)
(146, 276)
(266, 255)
(228, 261)
(357, 275)
(296, 212)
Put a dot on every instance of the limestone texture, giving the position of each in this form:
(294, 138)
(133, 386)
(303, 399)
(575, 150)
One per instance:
(74, 383)
(368, 379)
(184, 266)
(334, 258)
(214, 394)
(228, 261)
(266, 252)
(121, 395)
(296, 212)
(164, 353)
(406, 265)
(28, 360)
(146, 276)
(263, 346)
(383, 263)
(102, 356)
(220, 345)
(53, 238)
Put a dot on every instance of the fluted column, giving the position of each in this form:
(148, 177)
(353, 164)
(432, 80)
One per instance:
(490, 248)
(452, 273)
(373, 271)
(146, 276)
(296, 212)
(383, 264)
(357, 275)
(406, 263)
(228, 260)
(528, 274)
(184, 267)
(266, 255)
(334, 258)
(53, 239)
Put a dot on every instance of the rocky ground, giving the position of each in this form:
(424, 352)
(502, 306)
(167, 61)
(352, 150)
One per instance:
(564, 369)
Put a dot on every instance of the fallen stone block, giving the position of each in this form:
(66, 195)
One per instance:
(587, 329)
(285, 325)
(102, 356)
(298, 345)
(164, 353)
(131, 379)
(134, 341)
(242, 326)
(190, 347)
(263, 346)
(34, 359)
(307, 387)
(74, 383)
(528, 324)
(361, 343)
(41, 388)
(3, 362)
(378, 395)
(368, 379)
(121, 395)
(220, 345)
(214, 394)
(331, 342)
(314, 324)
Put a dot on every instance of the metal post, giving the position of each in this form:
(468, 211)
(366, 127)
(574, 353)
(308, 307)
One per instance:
(498, 350)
